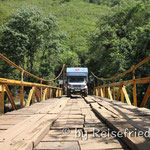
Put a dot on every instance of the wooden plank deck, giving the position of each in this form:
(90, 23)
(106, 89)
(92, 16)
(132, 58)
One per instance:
(75, 124)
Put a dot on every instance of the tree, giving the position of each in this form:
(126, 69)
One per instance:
(22, 36)
(122, 40)
(29, 37)
(52, 47)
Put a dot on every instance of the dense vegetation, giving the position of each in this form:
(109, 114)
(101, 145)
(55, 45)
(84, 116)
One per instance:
(122, 38)
(76, 21)
(107, 36)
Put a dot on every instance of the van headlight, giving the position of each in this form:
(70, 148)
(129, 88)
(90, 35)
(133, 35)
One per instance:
(85, 86)
(69, 86)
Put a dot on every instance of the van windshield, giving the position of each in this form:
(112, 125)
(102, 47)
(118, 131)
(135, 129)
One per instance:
(74, 80)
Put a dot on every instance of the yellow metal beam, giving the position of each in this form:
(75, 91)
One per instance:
(1, 88)
(44, 95)
(109, 93)
(128, 71)
(19, 83)
(126, 95)
(2, 100)
(102, 95)
(30, 96)
(57, 92)
(60, 91)
(26, 72)
(10, 97)
(129, 82)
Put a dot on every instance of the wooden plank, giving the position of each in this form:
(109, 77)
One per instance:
(71, 117)
(102, 110)
(31, 132)
(54, 135)
(23, 145)
(130, 113)
(99, 143)
(89, 100)
(128, 110)
(126, 95)
(110, 107)
(11, 119)
(37, 131)
(1, 131)
(66, 145)
(120, 125)
(58, 105)
(17, 129)
(147, 94)
(5, 126)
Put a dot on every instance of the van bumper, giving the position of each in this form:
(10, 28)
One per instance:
(77, 91)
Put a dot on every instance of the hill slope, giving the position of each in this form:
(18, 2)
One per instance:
(76, 18)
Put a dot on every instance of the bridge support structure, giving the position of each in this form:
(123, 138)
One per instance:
(119, 90)
(37, 91)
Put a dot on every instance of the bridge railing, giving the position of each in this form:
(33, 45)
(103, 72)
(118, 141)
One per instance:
(38, 92)
(109, 90)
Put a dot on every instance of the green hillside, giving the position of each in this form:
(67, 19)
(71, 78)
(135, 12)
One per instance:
(77, 20)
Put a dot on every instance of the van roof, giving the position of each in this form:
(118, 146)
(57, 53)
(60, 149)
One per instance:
(77, 71)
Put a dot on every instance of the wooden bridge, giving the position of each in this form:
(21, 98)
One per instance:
(51, 121)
